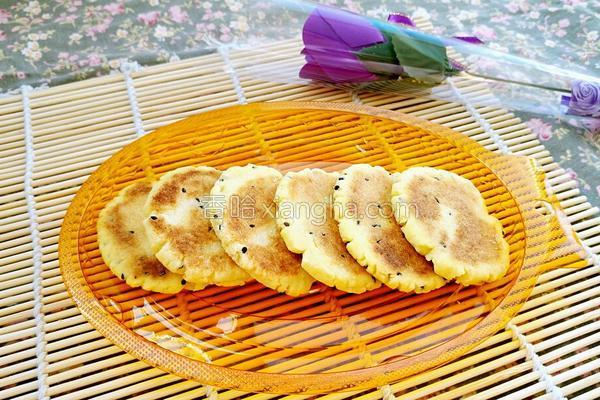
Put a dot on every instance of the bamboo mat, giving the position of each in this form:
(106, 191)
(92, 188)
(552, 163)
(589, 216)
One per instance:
(51, 140)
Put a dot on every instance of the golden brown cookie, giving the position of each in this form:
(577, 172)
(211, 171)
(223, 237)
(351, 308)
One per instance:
(451, 225)
(178, 212)
(305, 217)
(366, 222)
(124, 244)
(249, 233)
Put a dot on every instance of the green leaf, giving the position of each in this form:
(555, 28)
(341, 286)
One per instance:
(383, 52)
(380, 58)
(423, 57)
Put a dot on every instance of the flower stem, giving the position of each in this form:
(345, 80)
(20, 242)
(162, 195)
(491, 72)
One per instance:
(518, 82)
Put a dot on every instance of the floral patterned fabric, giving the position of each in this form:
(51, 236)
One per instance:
(53, 42)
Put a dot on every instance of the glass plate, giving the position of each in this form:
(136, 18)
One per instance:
(255, 339)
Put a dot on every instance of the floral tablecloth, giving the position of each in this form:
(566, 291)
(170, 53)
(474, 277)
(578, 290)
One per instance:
(54, 42)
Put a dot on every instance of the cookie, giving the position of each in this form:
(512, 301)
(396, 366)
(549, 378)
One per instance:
(178, 212)
(305, 218)
(362, 205)
(195, 286)
(124, 244)
(450, 225)
(248, 230)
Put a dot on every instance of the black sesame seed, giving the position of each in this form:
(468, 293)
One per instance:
(215, 216)
(343, 255)
(183, 190)
(378, 241)
(183, 281)
(336, 187)
(221, 180)
(310, 233)
(210, 228)
(180, 267)
(436, 200)
(219, 227)
(153, 217)
(132, 232)
(123, 276)
(422, 287)
(252, 225)
(201, 206)
(367, 179)
(286, 224)
(436, 178)
(244, 249)
(341, 178)
(198, 200)
(357, 222)
(399, 273)
(322, 234)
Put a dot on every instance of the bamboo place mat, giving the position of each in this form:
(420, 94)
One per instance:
(51, 140)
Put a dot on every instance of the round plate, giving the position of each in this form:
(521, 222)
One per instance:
(255, 339)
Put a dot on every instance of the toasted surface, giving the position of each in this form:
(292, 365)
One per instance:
(305, 218)
(451, 225)
(375, 240)
(124, 244)
(248, 231)
(177, 220)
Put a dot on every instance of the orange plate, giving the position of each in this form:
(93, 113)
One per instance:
(254, 339)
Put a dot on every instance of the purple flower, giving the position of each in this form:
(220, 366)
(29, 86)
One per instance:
(330, 37)
(585, 99)
(402, 19)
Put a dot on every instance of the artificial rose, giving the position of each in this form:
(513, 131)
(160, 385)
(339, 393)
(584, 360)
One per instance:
(585, 99)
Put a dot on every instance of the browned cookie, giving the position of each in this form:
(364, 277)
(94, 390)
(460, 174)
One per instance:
(178, 212)
(124, 244)
(451, 225)
(249, 233)
(305, 217)
(366, 222)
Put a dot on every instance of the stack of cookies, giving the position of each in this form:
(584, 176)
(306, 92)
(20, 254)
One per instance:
(353, 230)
